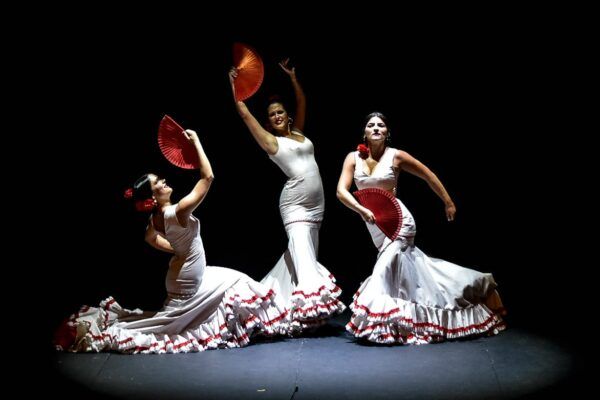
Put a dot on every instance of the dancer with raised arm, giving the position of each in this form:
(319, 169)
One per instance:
(206, 308)
(308, 288)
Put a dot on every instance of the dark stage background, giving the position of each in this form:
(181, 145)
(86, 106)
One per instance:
(472, 103)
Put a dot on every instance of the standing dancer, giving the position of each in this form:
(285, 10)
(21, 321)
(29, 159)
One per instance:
(410, 297)
(308, 288)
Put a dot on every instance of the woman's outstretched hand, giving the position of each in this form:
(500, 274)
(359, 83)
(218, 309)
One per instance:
(290, 71)
(233, 73)
(450, 211)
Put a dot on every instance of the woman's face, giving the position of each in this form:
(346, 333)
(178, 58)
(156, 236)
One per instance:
(160, 189)
(278, 117)
(376, 130)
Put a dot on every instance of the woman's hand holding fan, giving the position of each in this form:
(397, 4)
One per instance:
(248, 71)
(385, 208)
(176, 144)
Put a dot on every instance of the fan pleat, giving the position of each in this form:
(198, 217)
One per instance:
(175, 146)
(387, 211)
(250, 71)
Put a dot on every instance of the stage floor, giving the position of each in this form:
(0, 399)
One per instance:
(330, 365)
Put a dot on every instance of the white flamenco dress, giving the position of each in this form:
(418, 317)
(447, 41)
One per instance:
(306, 286)
(411, 298)
(206, 308)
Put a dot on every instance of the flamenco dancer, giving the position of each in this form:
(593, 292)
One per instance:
(306, 286)
(410, 298)
(206, 307)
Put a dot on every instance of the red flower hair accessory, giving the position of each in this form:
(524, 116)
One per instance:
(145, 205)
(128, 193)
(363, 151)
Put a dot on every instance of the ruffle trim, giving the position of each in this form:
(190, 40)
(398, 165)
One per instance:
(236, 319)
(399, 321)
(312, 307)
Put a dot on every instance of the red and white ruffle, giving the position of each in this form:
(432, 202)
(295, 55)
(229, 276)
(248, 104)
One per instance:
(311, 308)
(390, 320)
(244, 311)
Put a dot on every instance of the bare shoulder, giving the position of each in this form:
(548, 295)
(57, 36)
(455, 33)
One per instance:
(350, 158)
(402, 160)
(401, 155)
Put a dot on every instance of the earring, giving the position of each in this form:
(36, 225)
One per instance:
(290, 120)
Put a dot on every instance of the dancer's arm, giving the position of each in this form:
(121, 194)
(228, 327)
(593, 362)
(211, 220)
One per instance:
(343, 187)
(300, 115)
(188, 204)
(408, 163)
(157, 240)
(265, 140)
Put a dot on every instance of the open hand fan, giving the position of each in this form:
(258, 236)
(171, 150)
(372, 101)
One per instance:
(175, 146)
(387, 211)
(250, 70)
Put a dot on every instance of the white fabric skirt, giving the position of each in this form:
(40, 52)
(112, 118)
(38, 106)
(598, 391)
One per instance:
(307, 287)
(413, 298)
(226, 310)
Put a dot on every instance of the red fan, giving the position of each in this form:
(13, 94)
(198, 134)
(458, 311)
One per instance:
(175, 146)
(251, 71)
(388, 214)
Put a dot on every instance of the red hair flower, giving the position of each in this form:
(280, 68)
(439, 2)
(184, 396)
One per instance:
(363, 151)
(144, 205)
(128, 193)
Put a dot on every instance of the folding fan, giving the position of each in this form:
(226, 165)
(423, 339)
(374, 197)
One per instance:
(387, 211)
(175, 146)
(250, 70)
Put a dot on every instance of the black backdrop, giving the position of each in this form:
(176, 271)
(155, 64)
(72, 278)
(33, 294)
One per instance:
(472, 103)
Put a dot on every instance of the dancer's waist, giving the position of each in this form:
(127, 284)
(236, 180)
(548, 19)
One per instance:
(296, 175)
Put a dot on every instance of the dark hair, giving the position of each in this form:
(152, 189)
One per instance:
(272, 100)
(275, 99)
(379, 115)
(142, 188)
